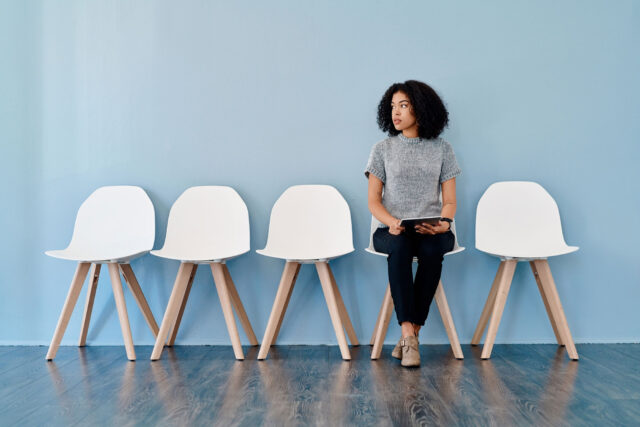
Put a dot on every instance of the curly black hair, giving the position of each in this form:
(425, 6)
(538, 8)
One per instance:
(431, 114)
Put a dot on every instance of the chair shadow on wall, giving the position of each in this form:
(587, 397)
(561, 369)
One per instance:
(108, 310)
(99, 322)
(305, 297)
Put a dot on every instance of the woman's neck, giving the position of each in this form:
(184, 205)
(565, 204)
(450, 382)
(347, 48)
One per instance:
(411, 132)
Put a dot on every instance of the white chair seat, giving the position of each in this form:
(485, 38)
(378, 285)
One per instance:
(299, 256)
(309, 222)
(196, 257)
(415, 259)
(525, 254)
(206, 224)
(114, 224)
(519, 220)
(95, 256)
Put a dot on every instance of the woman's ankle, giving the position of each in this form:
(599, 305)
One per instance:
(416, 329)
(408, 329)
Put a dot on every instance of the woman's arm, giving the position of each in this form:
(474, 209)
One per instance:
(448, 210)
(449, 199)
(377, 208)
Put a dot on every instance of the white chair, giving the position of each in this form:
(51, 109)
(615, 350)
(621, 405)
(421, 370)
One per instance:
(113, 226)
(207, 225)
(309, 224)
(519, 221)
(386, 310)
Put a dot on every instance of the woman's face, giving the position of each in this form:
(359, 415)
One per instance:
(402, 112)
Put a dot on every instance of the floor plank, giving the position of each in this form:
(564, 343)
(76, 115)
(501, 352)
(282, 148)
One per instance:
(629, 350)
(45, 401)
(17, 356)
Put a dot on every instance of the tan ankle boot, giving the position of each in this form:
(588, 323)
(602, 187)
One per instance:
(397, 350)
(410, 352)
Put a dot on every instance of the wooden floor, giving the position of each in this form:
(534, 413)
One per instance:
(311, 385)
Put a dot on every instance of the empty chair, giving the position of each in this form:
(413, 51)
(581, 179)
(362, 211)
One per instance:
(113, 226)
(309, 224)
(207, 225)
(519, 221)
(386, 310)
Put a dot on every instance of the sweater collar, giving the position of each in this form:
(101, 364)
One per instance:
(405, 139)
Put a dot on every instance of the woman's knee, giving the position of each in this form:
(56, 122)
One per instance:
(434, 249)
(402, 255)
(430, 253)
(430, 259)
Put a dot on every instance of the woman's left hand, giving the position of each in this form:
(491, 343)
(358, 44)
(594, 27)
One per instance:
(426, 228)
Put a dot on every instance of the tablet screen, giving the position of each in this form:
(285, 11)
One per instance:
(409, 224)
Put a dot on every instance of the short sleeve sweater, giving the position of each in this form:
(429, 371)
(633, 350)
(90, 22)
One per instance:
(412, 170)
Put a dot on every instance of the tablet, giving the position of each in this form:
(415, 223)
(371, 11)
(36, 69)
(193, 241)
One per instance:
(410, 223)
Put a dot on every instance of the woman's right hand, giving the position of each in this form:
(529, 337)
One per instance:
(395, 228)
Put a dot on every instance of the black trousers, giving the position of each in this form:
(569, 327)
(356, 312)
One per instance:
(412, 298)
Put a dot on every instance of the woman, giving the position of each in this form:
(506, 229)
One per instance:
(413, 167)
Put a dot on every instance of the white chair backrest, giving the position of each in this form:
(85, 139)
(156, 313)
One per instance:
(310, 221)
(515, 217)
(374, 227)
(115, 219)
(208, 220)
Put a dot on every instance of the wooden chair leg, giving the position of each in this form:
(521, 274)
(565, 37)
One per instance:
(118, 295)
(134, 287)
(330, 297)
(545, 300)
(286, 304)
(447, 320)
(342, 310)
(286, 284)
(375, 328)
(542, 266)
(382, 326)
(488, 306)
(225, 302)
(67, 309)
(94, 274)
(171, 313)
(238, 307)
(498, 307)
(173, 333)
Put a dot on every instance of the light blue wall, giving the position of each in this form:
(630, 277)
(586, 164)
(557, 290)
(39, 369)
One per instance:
(264, 95)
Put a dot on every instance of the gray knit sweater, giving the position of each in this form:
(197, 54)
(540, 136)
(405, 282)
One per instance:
(412, 170)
